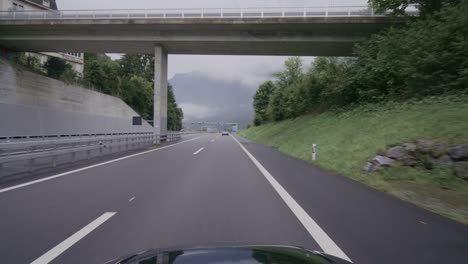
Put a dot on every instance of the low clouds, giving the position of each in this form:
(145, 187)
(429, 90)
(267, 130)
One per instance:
(196, 111)
(251, 71)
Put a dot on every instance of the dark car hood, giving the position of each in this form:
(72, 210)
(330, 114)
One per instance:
(231, 255)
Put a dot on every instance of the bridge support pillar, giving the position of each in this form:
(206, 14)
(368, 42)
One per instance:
(160, 91)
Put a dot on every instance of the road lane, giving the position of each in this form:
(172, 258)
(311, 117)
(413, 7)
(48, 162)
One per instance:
(369, 225)
(216, 198)
(37, 217)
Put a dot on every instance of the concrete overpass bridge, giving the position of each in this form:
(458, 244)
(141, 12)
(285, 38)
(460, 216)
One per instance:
(320, 31)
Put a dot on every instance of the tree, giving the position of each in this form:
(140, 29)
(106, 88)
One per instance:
(175, 114)
(138, 93)
(292, 73)
(141, 65)
(398, 7)
(102, 72)
(428, 57)
(261, 100)
(69, 76)
(55, 67)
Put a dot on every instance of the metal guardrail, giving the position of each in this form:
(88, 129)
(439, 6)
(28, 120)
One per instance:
(105, 144)
(327, 11)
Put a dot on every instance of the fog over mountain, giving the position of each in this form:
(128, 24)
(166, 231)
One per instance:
(207, 98)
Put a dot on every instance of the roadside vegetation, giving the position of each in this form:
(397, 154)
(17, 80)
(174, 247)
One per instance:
(346, 140)
(405, 84)
(129, 78)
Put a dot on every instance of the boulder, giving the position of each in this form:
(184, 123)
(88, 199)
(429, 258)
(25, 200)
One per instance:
(383, 161)
(459, 152)
(397, 152)
(409, 161)
(444, 160)
(424, 146)
(461, 169)
(438, 150)
(370, 167)
(410, 147)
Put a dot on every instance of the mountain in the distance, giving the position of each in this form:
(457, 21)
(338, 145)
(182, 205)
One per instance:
(204, 98)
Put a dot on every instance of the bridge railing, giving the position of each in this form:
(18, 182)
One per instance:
(193, 13)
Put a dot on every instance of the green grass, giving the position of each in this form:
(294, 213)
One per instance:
(346, 140)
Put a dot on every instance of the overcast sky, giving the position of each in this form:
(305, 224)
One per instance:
(251, 70)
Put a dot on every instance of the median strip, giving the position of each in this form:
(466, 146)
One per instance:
(73, 239)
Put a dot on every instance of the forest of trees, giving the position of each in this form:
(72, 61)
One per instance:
(427, 57)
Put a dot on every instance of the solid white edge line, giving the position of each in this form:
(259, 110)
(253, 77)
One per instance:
(73, 239)
(198, 151)
(90, 167)
(318, 234)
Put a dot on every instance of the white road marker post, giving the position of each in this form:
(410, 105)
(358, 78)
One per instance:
(314, 151)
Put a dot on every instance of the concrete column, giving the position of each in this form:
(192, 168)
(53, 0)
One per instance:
(160, 91)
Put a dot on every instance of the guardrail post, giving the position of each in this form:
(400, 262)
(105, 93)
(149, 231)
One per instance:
(314, 151)
(282, 12)
(326, 12)
(222, 15)
(242, 13)
(262, 12)
(372, 11)
(304, 12)
(203, 13)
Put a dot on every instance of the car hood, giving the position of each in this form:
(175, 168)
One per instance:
(230, 255)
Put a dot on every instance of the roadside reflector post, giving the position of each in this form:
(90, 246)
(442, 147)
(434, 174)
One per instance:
(314, 151)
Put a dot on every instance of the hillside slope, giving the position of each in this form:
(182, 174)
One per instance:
(347, 140)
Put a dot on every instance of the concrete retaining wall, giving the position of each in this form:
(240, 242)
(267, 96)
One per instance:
(32, 104)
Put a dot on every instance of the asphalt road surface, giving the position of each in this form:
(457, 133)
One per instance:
(214, 190)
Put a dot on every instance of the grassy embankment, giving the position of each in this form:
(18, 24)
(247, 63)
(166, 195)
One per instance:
(346, 140)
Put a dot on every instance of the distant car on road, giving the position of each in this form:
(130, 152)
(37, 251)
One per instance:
(224, 133)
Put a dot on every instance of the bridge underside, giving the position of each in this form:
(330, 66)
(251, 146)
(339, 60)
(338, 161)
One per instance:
(273, 48)
(311, 36)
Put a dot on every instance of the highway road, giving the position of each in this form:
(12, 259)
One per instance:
(212, 190)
